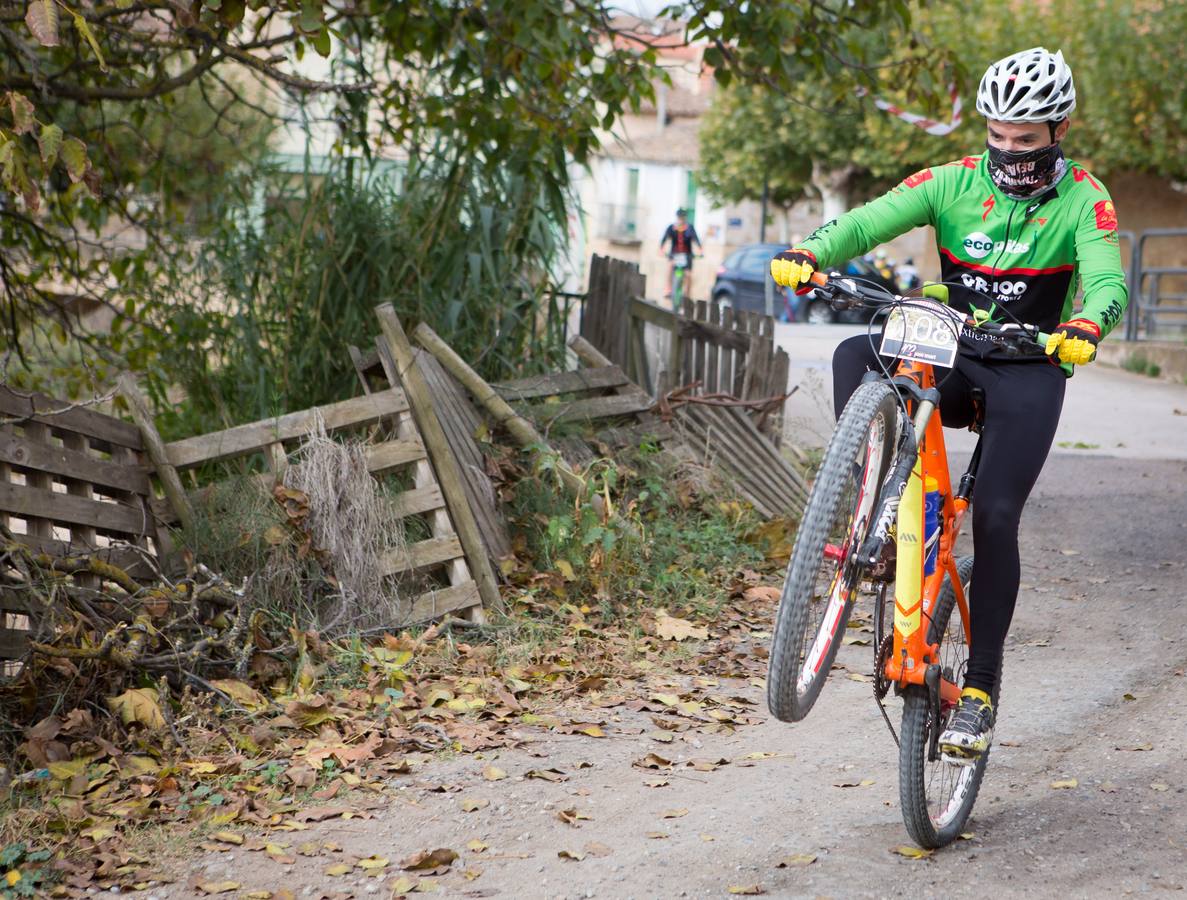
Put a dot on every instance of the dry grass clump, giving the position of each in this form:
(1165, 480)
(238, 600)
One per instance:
(351, 527)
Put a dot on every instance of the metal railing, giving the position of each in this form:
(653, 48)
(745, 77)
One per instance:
(621, 222)
(1154, 311)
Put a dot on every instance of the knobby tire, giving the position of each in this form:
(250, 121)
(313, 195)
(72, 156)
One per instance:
(872, 406)
(937, 797)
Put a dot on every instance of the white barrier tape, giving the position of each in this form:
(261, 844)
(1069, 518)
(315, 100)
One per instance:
(939, 129)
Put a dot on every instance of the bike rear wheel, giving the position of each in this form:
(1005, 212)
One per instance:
(937, 797)
(822, 575)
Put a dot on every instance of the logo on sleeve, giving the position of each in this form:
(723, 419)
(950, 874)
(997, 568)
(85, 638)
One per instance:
(918, 178)
(1106, 215)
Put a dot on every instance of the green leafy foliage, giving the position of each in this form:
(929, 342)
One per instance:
(521, 89)
(1130, 84)
(654, 531)
(259, 320)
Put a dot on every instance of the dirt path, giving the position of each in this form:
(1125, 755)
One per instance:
(1101, 616)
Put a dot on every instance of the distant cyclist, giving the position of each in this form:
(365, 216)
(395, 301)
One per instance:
(681, 236)
(1026, 226)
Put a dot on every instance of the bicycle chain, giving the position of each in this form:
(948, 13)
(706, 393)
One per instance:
(881, 658)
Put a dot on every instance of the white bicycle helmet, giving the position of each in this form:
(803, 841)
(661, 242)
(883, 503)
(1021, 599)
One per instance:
(1032, 86)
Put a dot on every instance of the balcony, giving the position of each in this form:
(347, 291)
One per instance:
(620, 223)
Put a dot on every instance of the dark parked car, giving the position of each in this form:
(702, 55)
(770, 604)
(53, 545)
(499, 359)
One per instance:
(740, 284)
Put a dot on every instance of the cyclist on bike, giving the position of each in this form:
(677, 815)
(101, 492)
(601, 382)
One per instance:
(681, 235)
(1023, 225)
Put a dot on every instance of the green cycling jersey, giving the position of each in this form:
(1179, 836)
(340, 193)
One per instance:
(1029, 255)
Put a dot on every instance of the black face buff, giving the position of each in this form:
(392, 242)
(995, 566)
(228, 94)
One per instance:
(1025, 172)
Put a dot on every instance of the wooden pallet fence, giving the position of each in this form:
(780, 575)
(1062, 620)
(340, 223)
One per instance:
(461, 422)
(396, 446)
(725, 439)
(728, 351)
(72, 481)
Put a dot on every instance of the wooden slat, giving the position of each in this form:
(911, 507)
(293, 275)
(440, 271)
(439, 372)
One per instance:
(428, 552)
(712, 352)
(241, 439)
(40, 408)
(561, 383)
(709, 444)
(400, 364)
(392, 454)
(70, 462)
(29, 502)
(77, 443)
(416, 501)
(633, 435)
(14, 600)
(434, 604)
(460, 422)
(650, 312)
(592, 408)
(13, 644)
(38, 482)
(704, 331)
(380, 458)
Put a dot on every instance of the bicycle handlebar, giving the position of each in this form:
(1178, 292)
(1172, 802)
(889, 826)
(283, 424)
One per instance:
(847, 293)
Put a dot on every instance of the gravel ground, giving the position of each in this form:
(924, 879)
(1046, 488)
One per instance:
(1095, 665)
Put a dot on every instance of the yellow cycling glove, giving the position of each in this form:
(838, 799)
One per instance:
(792, 268)
(1074, 341)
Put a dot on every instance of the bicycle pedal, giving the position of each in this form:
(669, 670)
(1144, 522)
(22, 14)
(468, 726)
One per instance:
(962, 761)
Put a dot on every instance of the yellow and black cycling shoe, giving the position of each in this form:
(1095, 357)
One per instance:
(970, 730)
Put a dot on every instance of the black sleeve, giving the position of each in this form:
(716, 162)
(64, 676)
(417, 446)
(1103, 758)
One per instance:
(692, 235)
(669, 235)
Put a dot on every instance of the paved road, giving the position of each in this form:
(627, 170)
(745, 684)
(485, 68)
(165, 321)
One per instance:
(1107, 410)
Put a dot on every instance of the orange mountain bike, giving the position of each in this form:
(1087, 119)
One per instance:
(881, 523)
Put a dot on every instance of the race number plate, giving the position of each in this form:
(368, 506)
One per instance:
(922, 331)
(680, 259)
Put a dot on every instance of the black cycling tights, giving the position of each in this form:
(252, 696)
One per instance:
(1022, 405)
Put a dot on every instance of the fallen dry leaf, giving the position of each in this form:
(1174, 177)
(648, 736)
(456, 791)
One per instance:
(493, 773)
(796, 860)
(658, 835)
(1137, 748)
(1065, 783)
(338, 869)
(572, 816)
(228, 837)
(138, 705)
(865, 782)
(1159, 786)
(673, 814)
(372, 863)
(575, 855)
(652, 761)
(476, 846)
(669, 628)
(594, 848)
(473, 804)
(912, 852)
(750, 890)
(429, 859)
(217, 887)
(553, 775)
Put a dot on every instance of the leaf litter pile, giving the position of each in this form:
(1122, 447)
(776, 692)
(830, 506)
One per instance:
(646, 620)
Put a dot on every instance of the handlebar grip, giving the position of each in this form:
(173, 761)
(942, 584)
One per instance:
(1042, 337)
(818, 278)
